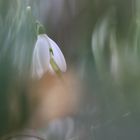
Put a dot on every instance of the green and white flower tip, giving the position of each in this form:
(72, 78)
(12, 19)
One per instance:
(47, 56)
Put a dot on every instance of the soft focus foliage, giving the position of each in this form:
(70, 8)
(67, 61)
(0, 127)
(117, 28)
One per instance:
(100, 40)
(17, 37)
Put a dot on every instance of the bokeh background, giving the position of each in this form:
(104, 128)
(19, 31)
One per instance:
(100, 41)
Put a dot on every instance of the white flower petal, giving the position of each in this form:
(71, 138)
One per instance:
(41, 57)
(57, 56)
(51, 69)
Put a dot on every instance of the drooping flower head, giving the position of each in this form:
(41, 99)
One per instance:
(47, 56)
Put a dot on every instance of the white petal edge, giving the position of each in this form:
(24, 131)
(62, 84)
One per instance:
(41, 57)
(57, 56)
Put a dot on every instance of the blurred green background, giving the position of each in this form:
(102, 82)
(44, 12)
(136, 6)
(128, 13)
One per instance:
(100, 40)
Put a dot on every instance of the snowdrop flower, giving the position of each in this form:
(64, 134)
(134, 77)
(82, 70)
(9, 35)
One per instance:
(47, 56)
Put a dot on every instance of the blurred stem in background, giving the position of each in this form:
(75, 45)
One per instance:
(116, 49)
(17, 38)
(113, 94)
